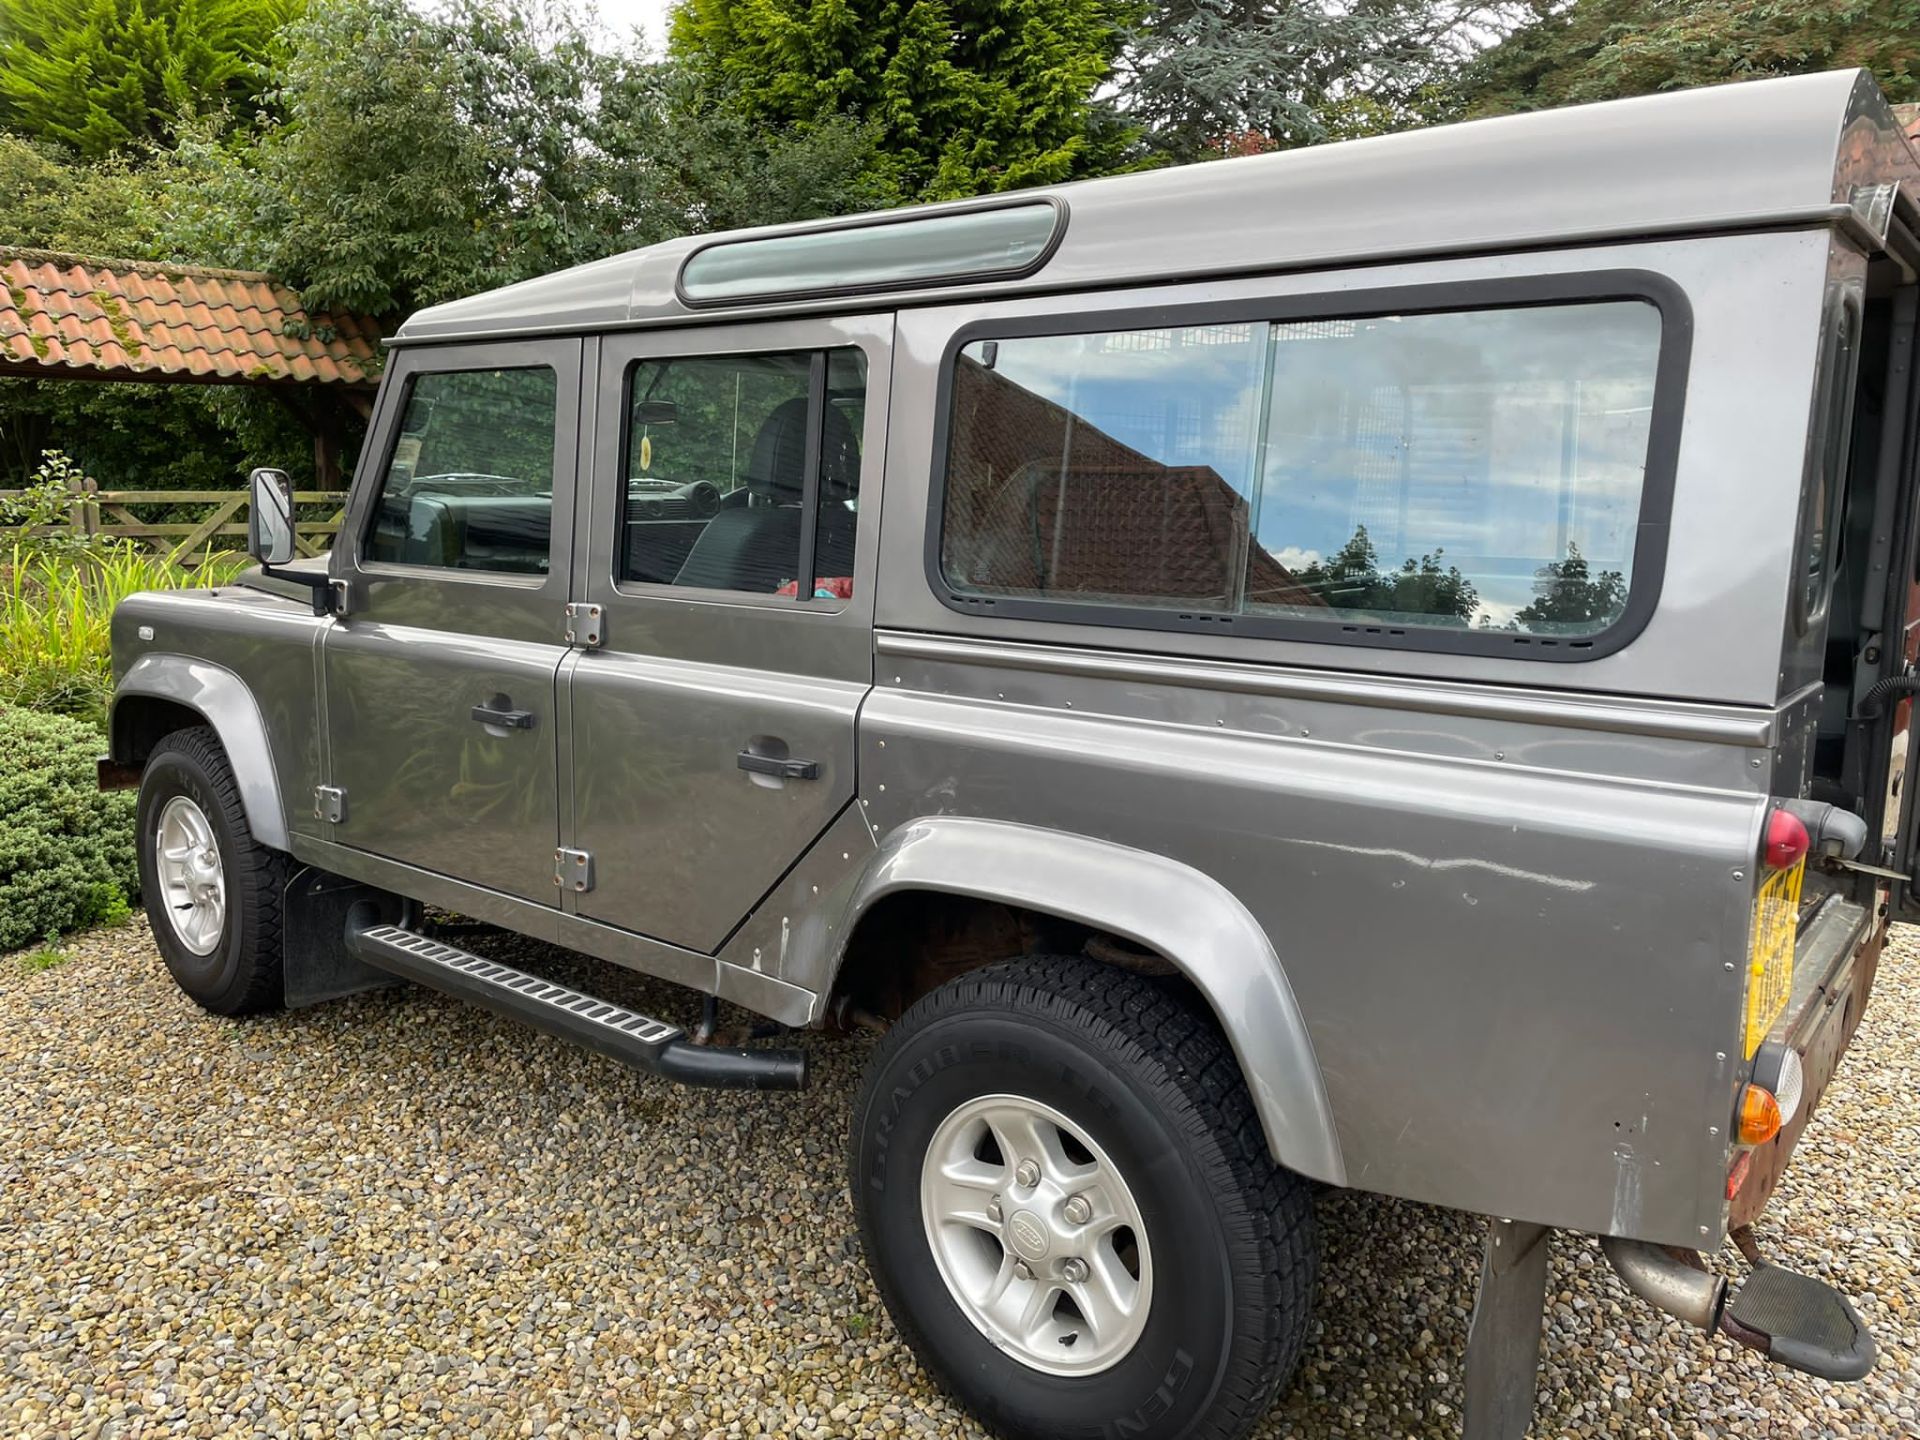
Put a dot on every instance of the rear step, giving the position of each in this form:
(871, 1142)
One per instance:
(1792, 1319)
(598, 1024)
(1800, 1322)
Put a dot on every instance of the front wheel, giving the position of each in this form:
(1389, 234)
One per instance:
(213, 894)
(1069, 1207)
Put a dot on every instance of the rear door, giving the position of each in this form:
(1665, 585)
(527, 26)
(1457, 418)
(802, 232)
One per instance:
(712, 727)
(440, 681)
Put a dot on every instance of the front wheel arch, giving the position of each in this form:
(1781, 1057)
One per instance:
(164, 693)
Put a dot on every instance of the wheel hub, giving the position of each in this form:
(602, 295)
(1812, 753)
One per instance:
(1036, 1234)
(193, 885)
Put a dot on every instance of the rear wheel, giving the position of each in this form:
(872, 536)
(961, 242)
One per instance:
(213, 894)
(1069, 1208)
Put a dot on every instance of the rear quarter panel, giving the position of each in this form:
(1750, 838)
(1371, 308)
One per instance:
(1512, 898)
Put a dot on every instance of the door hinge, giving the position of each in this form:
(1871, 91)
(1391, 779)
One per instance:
(329, 804)
(573, 869)
(584, 625)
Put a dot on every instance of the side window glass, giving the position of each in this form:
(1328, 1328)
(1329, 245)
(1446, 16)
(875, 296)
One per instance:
(729, 456)
(1477, 469)
(470, 484)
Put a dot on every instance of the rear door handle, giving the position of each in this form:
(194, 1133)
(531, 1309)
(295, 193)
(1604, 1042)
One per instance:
(785, 769)
(511, 719)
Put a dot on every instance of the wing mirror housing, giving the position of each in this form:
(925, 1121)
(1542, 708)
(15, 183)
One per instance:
(270, 535)
(270, 516)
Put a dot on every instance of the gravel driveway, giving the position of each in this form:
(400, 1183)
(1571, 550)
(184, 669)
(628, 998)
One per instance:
(394, 1216)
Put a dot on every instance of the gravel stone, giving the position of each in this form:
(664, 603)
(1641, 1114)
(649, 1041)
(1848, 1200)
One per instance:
(397, 1216)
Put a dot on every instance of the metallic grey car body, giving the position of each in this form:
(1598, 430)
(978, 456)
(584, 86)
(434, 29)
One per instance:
(1472, 922)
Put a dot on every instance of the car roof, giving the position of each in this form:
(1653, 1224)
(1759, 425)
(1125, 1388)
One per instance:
(1739, 156)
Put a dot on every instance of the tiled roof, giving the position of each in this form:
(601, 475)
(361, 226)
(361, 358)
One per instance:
(71, 315)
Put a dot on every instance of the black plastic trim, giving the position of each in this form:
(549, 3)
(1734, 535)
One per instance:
(883, 287)
(1596, 286)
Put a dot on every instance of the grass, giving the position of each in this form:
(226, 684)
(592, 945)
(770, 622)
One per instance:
(56, 612)
(45, 958)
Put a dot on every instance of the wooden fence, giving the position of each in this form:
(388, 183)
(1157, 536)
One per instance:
(220, 524)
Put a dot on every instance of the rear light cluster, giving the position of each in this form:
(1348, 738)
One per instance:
(1768, 1104)
(1786, 843)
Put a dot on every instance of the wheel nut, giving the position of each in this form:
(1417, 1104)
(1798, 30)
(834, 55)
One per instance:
(993, 1210)
(1022, 1270)
(1078, 1210)
(1027, 1173)
(1073, 1269)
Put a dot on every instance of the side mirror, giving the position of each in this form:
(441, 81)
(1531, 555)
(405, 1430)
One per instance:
(270, 517)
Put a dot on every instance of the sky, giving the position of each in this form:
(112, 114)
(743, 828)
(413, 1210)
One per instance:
(618, 17)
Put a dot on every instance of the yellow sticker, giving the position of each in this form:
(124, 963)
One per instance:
(646, 452)
(1776, 925)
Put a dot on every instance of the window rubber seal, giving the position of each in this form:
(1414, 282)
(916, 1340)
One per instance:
(1652, 528)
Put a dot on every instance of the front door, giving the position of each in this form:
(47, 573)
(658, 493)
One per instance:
(439, 682)
(732, 548)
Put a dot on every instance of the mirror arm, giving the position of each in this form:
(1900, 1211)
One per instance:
(321, 586)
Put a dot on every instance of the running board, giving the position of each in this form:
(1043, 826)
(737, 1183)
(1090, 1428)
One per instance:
(619, 1033)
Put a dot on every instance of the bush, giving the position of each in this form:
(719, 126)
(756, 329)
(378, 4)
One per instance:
(66, 849)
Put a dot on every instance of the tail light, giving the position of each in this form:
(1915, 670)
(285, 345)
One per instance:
(1787, 841)
(1737, 1176)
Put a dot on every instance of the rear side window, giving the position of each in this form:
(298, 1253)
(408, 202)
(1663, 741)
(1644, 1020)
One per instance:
(737, 466)
(1471, 470)
(470, 483)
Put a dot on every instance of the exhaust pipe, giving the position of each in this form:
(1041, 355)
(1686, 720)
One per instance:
(1666, 1282)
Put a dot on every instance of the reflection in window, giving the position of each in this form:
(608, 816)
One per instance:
(1476, 468)
(717, 467)
(470, 484)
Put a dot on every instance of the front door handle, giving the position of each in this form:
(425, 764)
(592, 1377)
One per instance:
(779, 765)
(511, 719)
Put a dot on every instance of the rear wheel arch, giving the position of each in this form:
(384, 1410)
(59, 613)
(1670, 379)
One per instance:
(959, 893)
(165, 693)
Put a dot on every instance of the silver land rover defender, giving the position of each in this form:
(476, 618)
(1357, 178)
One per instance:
(1380, 666)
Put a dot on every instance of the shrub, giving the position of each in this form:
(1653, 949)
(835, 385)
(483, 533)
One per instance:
(66, 849)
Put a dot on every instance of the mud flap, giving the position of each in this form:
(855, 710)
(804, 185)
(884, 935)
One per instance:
(318, 964)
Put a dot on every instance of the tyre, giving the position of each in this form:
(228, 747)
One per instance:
(1068, 1205)
(213, 894)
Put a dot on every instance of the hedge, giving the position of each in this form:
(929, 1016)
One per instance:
(66, 849)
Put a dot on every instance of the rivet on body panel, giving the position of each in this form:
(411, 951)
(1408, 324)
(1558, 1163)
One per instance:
(1739, 874)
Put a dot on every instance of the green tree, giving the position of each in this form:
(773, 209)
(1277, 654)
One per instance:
(1569, 596)
(969, 96)
(104, 75)
(1212, 77)
(1570, 53)
(424, 157)
(1353, 580)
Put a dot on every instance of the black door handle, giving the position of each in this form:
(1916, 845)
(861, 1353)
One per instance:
(511, 719)
(784, 768)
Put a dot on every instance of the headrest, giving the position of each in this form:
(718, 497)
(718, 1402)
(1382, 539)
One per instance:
(777, 467)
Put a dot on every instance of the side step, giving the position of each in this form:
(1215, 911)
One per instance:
(636, 1040)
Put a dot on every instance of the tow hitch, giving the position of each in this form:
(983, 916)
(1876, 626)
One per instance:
(1792, 1319)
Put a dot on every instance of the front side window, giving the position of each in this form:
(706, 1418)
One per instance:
(726, 458)
(470, 484)
(1476, 469)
